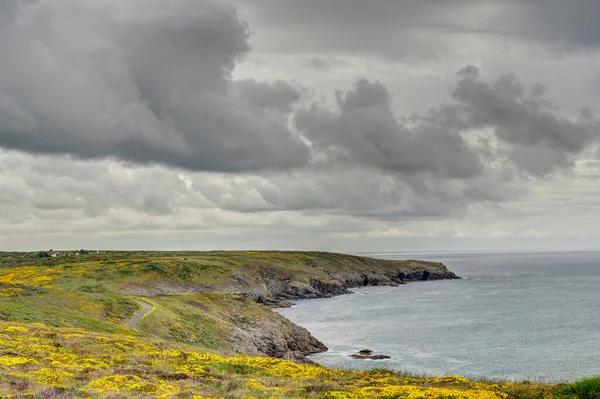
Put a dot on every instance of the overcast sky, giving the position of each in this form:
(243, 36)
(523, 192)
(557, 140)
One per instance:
(343, 125)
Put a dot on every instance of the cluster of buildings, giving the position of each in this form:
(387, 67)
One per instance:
(55, 254)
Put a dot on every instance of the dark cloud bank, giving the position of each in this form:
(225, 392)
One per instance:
(150, 82)
(399, 28)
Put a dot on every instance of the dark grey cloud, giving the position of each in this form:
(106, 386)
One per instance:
(534, 134)
(123, 118)
(100, 79)
(277, 95)
(409, 28)
(8, 11)
(573, 23)
(391, 28)
(364, 131)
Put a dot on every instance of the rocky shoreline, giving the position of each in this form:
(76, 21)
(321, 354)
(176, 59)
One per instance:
(276, 281)
(275, 288)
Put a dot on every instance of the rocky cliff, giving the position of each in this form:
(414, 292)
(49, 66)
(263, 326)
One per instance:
(254, 279)
(275, 287)
(274, 336)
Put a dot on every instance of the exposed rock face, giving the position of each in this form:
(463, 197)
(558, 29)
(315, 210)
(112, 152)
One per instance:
(320, 275)
(274, 287)
(275, 337)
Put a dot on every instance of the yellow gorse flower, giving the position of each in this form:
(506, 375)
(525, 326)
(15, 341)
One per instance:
(105, 365)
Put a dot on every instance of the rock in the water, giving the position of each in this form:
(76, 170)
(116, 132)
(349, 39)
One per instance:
(367, 354)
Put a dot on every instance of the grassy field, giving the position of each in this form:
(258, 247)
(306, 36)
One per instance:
(113, 269)
(61, 333)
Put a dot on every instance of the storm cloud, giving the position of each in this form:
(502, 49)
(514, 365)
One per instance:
(208, 117)
(365, 131)
(426, 28)
(152, 84)
(528, 127)
(143, 81)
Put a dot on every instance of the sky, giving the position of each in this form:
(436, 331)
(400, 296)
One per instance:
(336, 125)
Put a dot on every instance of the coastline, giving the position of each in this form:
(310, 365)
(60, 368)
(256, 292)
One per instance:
(273, 279)
(209, 308)
(218, 300)
(345, 284)
(278, 289)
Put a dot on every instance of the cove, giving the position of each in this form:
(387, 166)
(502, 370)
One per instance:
(514, 315)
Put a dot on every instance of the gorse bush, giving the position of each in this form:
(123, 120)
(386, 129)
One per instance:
(62, 333)
(37, 360)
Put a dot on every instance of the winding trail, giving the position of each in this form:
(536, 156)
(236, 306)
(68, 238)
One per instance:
(146, 308)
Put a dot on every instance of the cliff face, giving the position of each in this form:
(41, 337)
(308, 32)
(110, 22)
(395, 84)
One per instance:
(233, 286)
(278, 337)
(210, 300)
(274, 336)
(274, 287)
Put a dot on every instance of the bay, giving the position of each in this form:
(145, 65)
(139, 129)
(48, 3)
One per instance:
(513, 316)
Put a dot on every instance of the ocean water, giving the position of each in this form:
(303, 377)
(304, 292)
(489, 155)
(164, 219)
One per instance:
(514, 315)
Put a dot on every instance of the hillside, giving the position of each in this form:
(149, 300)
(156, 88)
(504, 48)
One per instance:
(62, 330)
(47, 362)
(209, 299)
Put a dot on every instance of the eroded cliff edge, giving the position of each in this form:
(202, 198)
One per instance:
(275, 287)
(259, 280)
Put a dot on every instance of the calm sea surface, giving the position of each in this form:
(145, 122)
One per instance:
(515, 315)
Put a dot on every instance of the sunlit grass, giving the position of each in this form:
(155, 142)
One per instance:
(78, 363)
(61, 333)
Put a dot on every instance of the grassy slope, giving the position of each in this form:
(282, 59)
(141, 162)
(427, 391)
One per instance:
(39, 361)
(116, 269)
(202, 319)
(85, 292)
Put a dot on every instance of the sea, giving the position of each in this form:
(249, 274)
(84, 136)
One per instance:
(517, 316)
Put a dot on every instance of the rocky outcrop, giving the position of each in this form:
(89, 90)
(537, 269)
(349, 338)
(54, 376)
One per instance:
(274, 287)
(367, 354)
(274, 281)
(370, 357)
(274, 336)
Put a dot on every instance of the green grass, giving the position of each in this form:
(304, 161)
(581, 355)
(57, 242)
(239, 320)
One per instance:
(64, 308)
(588, 388)
(204, 320)
(210, 268)
(55, 318)
(90, 292)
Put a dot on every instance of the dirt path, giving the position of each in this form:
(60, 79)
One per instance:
(146, 308)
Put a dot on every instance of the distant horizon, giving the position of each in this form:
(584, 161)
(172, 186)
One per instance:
(361, 253)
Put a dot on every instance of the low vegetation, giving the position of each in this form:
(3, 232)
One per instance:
(62, 334)
(41, 361)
